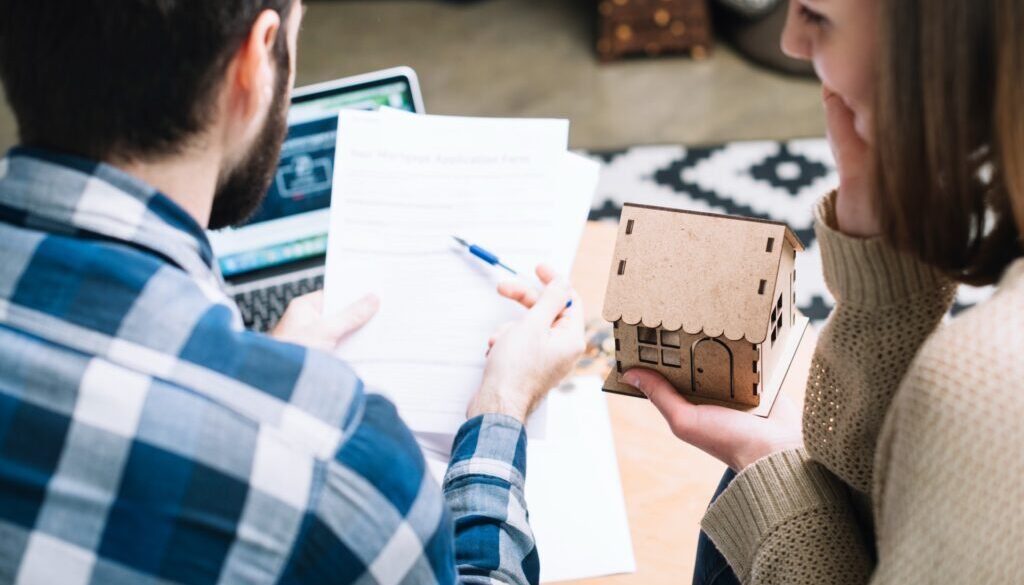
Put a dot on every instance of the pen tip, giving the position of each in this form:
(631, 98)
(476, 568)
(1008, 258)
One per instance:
(460, 240)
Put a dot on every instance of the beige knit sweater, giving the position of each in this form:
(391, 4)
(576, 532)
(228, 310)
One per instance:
(914, 463)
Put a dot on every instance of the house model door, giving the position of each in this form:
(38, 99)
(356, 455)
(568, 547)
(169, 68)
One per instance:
(711, 369)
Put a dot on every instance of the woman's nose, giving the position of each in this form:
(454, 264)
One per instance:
(795, 40)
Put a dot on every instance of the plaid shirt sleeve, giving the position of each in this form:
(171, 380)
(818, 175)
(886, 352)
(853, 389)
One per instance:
(484, 487)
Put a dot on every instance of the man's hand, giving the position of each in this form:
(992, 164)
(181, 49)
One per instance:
(304, 323)
(733, 437)
(529, 357)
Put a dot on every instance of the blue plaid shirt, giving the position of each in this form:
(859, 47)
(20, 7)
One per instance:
(146, 437)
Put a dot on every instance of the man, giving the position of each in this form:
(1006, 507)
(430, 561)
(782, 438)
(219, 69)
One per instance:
(144, 435)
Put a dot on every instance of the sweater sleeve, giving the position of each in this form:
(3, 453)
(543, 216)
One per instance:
(887, 304)
(786, 519)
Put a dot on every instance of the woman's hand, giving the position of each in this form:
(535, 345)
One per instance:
(529, 357)
(736, 438)
(304, 323)
(855, 209)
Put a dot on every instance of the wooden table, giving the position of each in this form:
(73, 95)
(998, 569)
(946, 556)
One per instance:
(667, 483)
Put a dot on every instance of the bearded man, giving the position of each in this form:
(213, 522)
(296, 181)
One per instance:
(145, 436)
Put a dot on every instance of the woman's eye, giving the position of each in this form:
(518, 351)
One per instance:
(812, 17)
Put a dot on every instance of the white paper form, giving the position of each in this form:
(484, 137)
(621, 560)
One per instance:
(574, 492)
(403, 187)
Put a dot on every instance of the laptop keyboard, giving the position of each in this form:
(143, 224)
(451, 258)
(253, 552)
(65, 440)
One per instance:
(262, 308)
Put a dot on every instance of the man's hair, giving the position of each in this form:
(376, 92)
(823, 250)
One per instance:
(131, 79)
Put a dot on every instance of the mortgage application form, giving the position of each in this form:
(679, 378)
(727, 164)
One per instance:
(403, 186)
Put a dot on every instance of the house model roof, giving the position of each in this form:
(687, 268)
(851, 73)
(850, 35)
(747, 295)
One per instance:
(697, 272)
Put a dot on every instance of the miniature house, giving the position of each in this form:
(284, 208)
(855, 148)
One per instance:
(706, 300)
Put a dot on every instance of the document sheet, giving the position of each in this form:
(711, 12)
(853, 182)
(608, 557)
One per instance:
(403, 186)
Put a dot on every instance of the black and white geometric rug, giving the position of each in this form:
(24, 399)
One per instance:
(780, 181)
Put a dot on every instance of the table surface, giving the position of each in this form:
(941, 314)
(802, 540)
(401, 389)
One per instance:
(667, 483)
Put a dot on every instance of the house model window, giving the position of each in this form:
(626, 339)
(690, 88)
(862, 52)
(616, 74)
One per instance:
(706, 300)
(659, 347)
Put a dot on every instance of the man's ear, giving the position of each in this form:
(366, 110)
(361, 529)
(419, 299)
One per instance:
(251, 75)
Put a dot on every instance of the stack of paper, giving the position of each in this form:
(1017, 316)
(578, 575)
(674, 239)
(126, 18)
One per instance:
(403, 185)
(573, 490)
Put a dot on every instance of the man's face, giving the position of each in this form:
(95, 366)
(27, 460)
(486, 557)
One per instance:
(243, 187)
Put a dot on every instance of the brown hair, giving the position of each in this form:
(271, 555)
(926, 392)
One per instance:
(949, 133)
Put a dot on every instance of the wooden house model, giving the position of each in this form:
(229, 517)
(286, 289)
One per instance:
(706, 300)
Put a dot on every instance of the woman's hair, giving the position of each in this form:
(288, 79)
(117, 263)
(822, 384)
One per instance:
(949, 133)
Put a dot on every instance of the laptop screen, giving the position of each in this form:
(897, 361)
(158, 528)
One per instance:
(292, 223)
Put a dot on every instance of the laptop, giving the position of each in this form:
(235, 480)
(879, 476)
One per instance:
(279, 254)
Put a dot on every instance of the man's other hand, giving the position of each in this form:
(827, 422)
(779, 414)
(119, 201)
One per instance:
(529, 357)
(304, 322)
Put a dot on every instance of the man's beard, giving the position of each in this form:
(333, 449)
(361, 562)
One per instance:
(242, 190)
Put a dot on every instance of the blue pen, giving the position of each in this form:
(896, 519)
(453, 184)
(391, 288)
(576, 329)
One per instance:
(490, 258)
(484, 255)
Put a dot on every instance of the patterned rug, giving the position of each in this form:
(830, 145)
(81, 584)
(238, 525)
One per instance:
(780, 181)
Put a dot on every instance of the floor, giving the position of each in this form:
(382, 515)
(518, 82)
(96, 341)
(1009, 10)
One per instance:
(536, 58)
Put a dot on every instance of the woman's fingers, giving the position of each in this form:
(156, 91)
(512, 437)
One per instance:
(677, 411)
(849, 148)
(855, 209)
(733, 437)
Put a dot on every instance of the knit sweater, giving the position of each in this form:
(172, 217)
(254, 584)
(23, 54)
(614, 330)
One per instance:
(913, 470)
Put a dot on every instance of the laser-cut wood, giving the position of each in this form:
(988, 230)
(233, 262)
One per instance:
(707, 294)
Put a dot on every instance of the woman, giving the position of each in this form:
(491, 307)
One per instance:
(910, 464)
